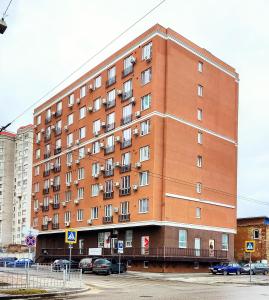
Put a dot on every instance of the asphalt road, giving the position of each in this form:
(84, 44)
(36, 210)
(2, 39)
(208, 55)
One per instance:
(121, 288)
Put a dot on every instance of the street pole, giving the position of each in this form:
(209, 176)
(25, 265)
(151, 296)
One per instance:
(250, 267)
(119, 263)
(70, 257)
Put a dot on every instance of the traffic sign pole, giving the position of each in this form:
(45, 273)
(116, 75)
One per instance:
(250, 267)
(70, 257)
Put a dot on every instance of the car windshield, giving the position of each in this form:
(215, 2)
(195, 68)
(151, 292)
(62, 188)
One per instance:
(101, 261)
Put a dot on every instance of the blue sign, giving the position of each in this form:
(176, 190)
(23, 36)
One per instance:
(250, 246)
(71, 236)
(120, 246)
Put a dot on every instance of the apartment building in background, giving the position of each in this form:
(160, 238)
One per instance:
(16, 152)
(142, 148)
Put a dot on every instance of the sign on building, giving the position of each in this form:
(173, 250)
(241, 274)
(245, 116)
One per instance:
(249, 246)
(95, 251)
(71, 236)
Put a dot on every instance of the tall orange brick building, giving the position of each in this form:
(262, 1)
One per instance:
(142, 148)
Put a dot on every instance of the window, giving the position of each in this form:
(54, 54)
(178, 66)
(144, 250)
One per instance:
(225, 242)
(82, 112)
(144, 153)
(59, 107)
(37, 154)
(94, 213)
(256, 233)
(111, 97)
(109, 186)
(80, 193)
(124, 208)
(144, 127)
(71, 99)
(58, 125)
(144, 178)
(108, 210)
(69, 157)
(68, 177)
(80, 214)
(111, 73)
(200, 90)
(109, 164)
(56, 199)
(126, 114)
(95, 190)
(146, 76)
(199, 187)
(82, 132)
(67, 216)
(199, 161)
(58, 143)
(95, 147)
(143, 206)
(37, 170)
(199, 114)
(97, 104)
(182, 238)
(81, 152)
(198, 213)
(98, 82)
(101, 239)
(69, 139)
(96, 126)
(68, 196)
(38, 137)
(200, 66)
(127, 136)
(127, 90)
(128, 238)
(147, 51)
(126, 159)
(83, 91)
(110, 141)
(80, 173)
(36, 187)
(70, 119)
(145, 102)
(110, 120)
(38, 120)
(95, 169)
(128, 64)
(200, 137)
(125, 182)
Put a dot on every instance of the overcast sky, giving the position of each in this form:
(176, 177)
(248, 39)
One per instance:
(47, 39)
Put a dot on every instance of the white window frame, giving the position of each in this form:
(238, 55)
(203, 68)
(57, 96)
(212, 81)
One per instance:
(145, 102)
(199, 162)
(198, 187)
(200, 66)
(70, 119)
(145, 127)
(97, 104)
(199, 114)
(143, 205)
(146, 76)
(182, 243)
(144, 153)
(95, 190)
(80, 215)
(82, 133)
(225, 242)
(94, 213)
(198, 212)
(147, 51)
(98, 82)
(200, 90)
(200, 138)
(82, 112)
(144, 178)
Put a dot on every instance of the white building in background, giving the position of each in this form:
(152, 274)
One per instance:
(16, 152)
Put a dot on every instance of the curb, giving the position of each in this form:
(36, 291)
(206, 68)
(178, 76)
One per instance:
(45, 294)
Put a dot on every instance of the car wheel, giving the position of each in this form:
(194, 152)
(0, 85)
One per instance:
(225, 273)
(238, 272)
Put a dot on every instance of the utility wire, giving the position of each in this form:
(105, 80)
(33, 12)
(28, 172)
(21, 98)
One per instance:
(86, 62)
(5, 13)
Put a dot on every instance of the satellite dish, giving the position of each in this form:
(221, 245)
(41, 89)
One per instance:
(3, 26)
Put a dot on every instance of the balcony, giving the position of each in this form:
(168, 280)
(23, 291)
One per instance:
(57, 168)
(47, 155)
(47, 119)
(55, 226)
(46, 191)
(56, 205)
(125, 191)
(57, 150)
(109, 149)
(108, 195)
(110, 81)
(56, 188)
(58, 131)
(45, 208)
(46, 173)
(126, 120)
(124, 218)
(58, 113)
(107, 220)
(127, 71)
(125, 168)
(125, 144)
(109, 172)
(45, 227)
(127, 95)
(109, 127)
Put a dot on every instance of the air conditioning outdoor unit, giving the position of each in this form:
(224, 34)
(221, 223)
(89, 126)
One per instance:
(68, 184)
(89, 221)
(132, 60)
(138, 114)
(76, 182)
(76, 201)
(52, 127)
(78, 100)
(89, 151)
(104, 101)
(42, 130)
(77, 161)
(117, 139)
(101, 187)
(135, 187)
(116, 209)
(96, 176)
(117, 184)
(66, 224)
(65, 128)
(36, 209)
(70, 105)
(51, 166)
(103, 124)
(33, 194)
(77, 142)
(41, 204)
(96, 133)
(117, 164)
(102, 145)
(102, 168)
(64, 204)
(49, 219)
(53, 113)
(132, 100)
(90, 108)
(138, 165)
(51, 202)
(119, 92)
(136, 131)
(91, 87)
(69, 164)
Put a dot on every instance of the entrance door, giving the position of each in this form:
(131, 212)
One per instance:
(81, 246)
(197, 246)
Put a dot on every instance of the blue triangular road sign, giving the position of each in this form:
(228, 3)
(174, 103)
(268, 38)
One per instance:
(71, 236)
(250, 246)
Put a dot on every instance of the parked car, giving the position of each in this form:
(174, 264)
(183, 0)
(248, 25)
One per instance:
(86, 264)
(5, 260)
(226, 268)
(256, 268)
(61, 264)
(105, 266)
(20, 263)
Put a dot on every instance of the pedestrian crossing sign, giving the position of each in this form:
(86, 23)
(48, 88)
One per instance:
(71, 236)
(249, 246)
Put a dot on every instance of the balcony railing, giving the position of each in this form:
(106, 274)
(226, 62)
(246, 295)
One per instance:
(109, 127)
(46, 191)
(56, 188)
(125, 191)
(46, 155)
(126, 143)
(127, 95)
(58, 113)
(110, 81)
(108, 195)
(55, 225)
(107, 220)
(56, 205)
(57, 150)
(46, 173)
(110, 104)
(126, 119)
(127, 71)
(125, 168)
(45, 208)
(45, 227)
(109, 172)
(124, 218)
(109, 149)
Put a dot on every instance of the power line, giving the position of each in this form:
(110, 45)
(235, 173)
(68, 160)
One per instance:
(84, 63)
(5, 12)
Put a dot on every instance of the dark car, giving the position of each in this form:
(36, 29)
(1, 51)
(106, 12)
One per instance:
(85, 264)
(5, 260)
(64, 264)
(256, 268)
(20, 263)
(105, 266)
(226, 268)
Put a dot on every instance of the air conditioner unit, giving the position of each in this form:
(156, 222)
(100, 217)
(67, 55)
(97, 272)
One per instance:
(70, 105)
(68, 184)
(77, 161)
(96, 133)
(102, 145)
(66, 224)
(42, 130)
(91, 87)
(119, 92)
(76, 182)
(132, 100)
(51, 202)
(52, 127)
(49, 219)
(41, 204)
(90, 108)
(116, 209)
(35, 126)
(64, 204)
(89, 221)
(138, 165)
(76, 201)
(101, 187)
(51, 166)
(53, 113)
(69, 164)
(96, 175)
(117, 184)
(117, 164)
(89, 151)
(132, 60)
(103, 124)
(135, 187)
(138, 114)
(136, 131)
(117, 139)
(102, 168)
(78, 101)
(33, 194)
(77, 142)
(104, 101)
(65, 128)
(36, 209)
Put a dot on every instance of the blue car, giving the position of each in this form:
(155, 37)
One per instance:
(226, 268)
(5, 260)
(20, 263)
